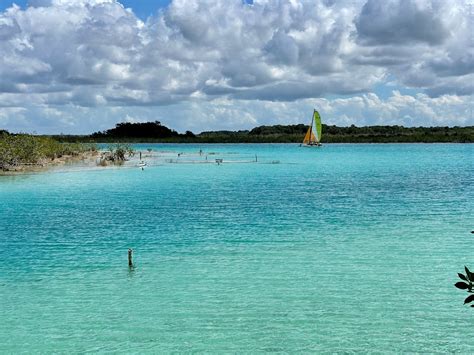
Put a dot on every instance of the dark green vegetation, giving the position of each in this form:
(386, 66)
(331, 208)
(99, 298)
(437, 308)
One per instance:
(19, 150)
(120, 151)
(467, 284)
(137, 130)
(116, 153)
(352, 134)
(155, 132)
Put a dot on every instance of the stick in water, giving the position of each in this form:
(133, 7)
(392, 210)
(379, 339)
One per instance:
(130, 261)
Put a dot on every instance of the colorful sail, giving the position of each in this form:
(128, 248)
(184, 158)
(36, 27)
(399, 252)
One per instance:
(309, 137)
(317, 122)
(313, 135)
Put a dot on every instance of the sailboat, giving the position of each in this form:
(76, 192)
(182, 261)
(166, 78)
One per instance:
(313, 135)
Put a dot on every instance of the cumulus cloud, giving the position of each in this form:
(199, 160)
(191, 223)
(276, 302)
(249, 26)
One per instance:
(224, 113)
(98, 56)
(425, 44)
(401, 22)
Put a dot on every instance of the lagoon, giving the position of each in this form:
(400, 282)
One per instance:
(347, 248)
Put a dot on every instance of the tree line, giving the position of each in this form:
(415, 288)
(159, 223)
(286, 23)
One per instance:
(149, 132)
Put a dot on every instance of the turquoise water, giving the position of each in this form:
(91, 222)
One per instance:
(348, 248)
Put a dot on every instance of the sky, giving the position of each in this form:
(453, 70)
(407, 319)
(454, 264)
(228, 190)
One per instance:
(81, 66)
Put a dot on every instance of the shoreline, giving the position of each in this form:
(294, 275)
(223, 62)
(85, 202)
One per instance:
(47, 164)
(98, 158)
(90, 159)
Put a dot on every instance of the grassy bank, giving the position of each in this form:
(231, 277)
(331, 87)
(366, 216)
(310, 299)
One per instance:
(18, 151)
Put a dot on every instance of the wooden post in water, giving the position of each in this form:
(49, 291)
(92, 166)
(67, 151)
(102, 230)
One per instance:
(130, 260)
(140, 155)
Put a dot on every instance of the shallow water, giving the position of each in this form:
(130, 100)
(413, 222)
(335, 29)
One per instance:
(350, 248)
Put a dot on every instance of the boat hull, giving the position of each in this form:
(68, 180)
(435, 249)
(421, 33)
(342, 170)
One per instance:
(311, 145)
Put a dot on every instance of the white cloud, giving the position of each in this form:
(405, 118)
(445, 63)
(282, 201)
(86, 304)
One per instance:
(231, 114)
(97, 55)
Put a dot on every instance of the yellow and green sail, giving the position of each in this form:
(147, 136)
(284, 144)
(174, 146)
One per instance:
(313, 135)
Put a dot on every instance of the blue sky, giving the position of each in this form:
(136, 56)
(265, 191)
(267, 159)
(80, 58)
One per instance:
(142, 8)
(79, 66)
(145, 8)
